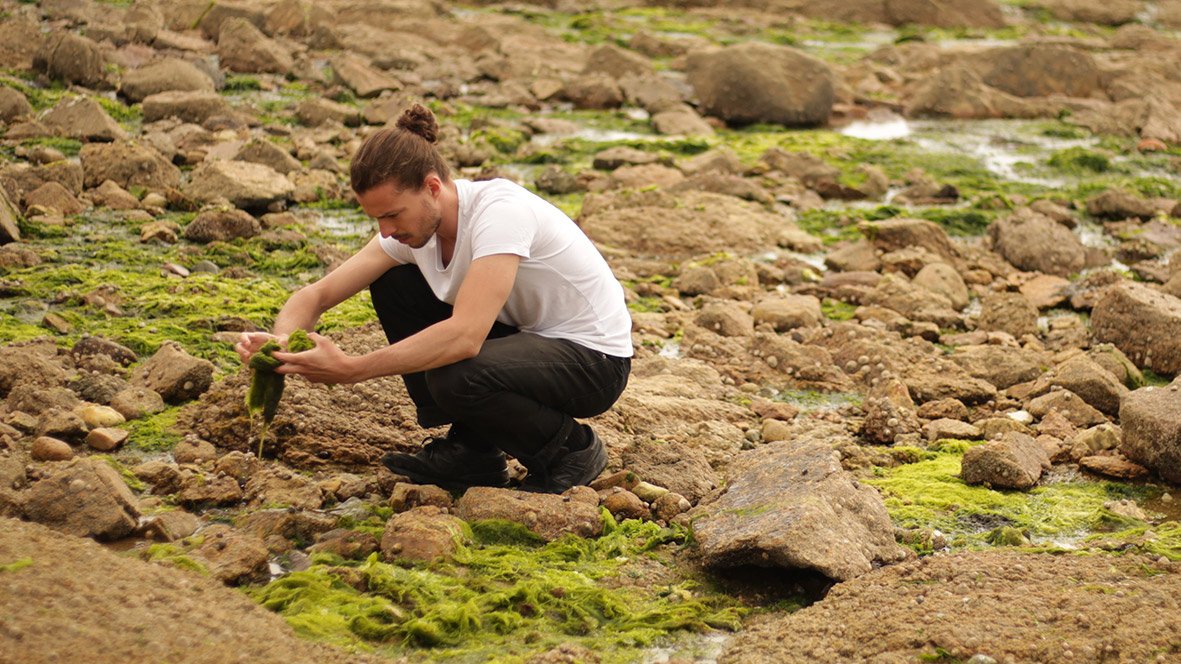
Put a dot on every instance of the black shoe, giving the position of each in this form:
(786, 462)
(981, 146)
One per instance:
(450, 464)
(569, 469)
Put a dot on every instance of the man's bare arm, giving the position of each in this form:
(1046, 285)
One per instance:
(482, 295)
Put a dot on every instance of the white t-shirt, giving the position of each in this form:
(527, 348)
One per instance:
(564, 288)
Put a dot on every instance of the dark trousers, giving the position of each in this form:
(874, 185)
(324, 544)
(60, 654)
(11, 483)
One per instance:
(520, 394)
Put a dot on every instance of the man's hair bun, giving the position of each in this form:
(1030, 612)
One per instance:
(419, 120)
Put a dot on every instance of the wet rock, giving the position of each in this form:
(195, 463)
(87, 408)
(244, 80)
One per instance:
(894, 234)
(136, 402)
(127, 164)
(169, 74)
(793, 506)
(1096, 440)
(242, 47)
(114, 197)
(788, 312)
(231, 556)
(1008, 312)
(280, 486)
(1091, 382)
(1115, 466)
(171, 525)
(1014, 462)
(10, 220)
(362, 78)
(262, 151)
(1001, 366)
(73, 59)
(221, 225)
(624, 504)
(279, 529)
(193, 450)
(174, 374)
(756, 82)
(408, 496)
(1152, 430)
(889, 412)
(105, 439)
(348, 544)
(1036, 243)
(164, 477)
(1120, 204)
(422, 534)
(244, 185)
(198, 490)
(546, 515)
(194, 106)
(557, 180)
(669, 506)
(1041, 70)
(84, 119)
(945, 428)
(52, 195)
(1067, 404)
(13, 105)
(1142, 323)
(317, 111)
(943, 279)
(725, 318)
(45, 448)
(682, 470)
(83, 497)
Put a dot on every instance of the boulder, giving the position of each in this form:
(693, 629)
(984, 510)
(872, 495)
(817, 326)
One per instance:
(242, 47)
(174, 374)
(1041, 70)
(895, 293)
(757, 82)
(787, 312)
(243, 184)
(220, 225)
(1045, 291)
(167, 75)
(54, 196)
(546, 515)
(1016, 461)
(1002, 366)
(316, 111)
(792, 506)
(127, 164)
(362, 78)
(200, 491)
(945, 428)
(1152, 430)
(1091, 382)
(616, 62)
(194, 106)
(83, 497)
(9, 220)
(280, 486)
(593, 91)
(19, 179)
(1036, 243)
(943, 279)
(13, 105)
(1142, 323)
(136, 402)
(113, 197)
(231, 556)
(1008, 312)
(262, 151)
(889, 413)
(944, 13)
(422, 534)
(1120, 204)
(84, 119)
(1068, 405)
(684, 470)
(1103, 12)
(72, 58)
(47, 448)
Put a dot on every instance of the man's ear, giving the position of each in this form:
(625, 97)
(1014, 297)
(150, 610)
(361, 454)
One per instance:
(434, 183)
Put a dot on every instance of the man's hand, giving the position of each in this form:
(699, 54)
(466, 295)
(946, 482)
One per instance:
(323, 364)
(250, 342)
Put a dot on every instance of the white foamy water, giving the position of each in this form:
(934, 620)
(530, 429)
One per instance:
(878, 131)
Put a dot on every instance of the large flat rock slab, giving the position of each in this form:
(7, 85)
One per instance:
(791, 505)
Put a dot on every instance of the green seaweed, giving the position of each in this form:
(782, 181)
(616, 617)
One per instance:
(495, 601)
(171, 554)
(154, 433)
(129, 478)
(266, 385)
(16, 565)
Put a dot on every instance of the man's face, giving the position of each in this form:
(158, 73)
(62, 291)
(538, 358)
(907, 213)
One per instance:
(410, 217)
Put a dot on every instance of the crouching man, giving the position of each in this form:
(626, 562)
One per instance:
(502, 318)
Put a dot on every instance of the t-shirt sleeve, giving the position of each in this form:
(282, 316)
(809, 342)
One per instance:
(396, 250)
(504, 228)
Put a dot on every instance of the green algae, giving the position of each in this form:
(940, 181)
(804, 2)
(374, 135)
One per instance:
(173, 555)
(837, 310)
(930, 494)
(155, 433)
(497, 601)
(266, 385)
(1080, 161)
(1160, 540)
(16, 565)
(129, 478)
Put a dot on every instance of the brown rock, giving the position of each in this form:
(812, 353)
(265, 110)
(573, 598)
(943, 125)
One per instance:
(83, 497)
(624, 504)
(72, 58)
(422, 534)
(757, 82)
(221, 225)
(1014, 462)
(408, 496)
(1113, 466)
(231, 556)
(83, 118)
(546, 515)
(194, 106)
(1142, 323)
(127, 165)
(174, 374)
(46, 448)
(105, 439)
(242, 47)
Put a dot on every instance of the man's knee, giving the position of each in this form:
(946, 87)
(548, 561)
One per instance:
(455, 386)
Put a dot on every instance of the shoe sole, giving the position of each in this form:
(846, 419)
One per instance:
(408, 466)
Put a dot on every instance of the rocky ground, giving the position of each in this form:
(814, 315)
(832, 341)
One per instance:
(904, 304)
